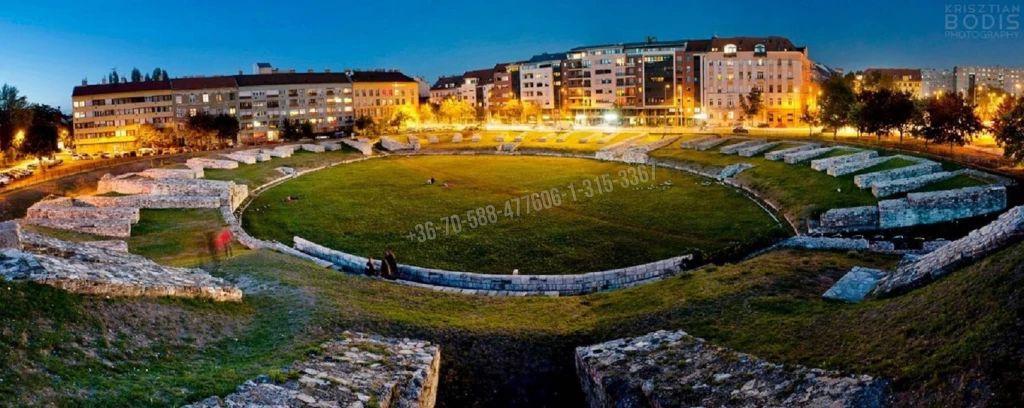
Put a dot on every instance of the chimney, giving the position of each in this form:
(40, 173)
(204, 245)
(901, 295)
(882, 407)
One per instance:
(239, 72)
(327, 71)
(85, 82)
(309, 71)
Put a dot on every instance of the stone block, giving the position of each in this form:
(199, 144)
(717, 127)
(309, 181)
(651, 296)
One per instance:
(855, 285)
(754, 150)
(211, 163)
(315, 148)
(780, 154)
(806, 154)
(870, 179)
(363, 147)
(825, 164)
(10, 235)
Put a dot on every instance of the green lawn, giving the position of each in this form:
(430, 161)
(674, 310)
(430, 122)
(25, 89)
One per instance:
(254, 175)
(364, 208)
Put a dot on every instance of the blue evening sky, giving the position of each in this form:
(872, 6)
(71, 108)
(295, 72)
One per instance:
(48, 47)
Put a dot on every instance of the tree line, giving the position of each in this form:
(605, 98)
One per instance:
(29, 129)
(946, 119)
(136, 76)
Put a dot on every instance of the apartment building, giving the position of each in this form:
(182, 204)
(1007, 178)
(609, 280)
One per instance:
(382, 93)
(689, 66)
(972, 79)
(504, 84)
(445, 87)
(264, 100)
(936, 82)
(107, 116)
(541, 82)
(213, 95)
(733, 66)
(903, 79)
(655, 98)
(589, 75)
(474, 88)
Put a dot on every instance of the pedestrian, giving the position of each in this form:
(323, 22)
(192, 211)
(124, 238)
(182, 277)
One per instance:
(223, 242)
(370, 269)
(389, 259)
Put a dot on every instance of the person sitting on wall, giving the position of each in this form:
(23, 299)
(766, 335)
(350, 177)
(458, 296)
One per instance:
(389, 259)
(370, 269)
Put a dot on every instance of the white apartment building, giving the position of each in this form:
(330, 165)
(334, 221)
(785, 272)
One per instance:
(971, 78)
(541, 81)
(264, 100)
(736, 65)
(937, 82)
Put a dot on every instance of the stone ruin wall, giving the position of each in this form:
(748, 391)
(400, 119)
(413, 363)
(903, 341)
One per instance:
(825, 164)
(888, 188)
(914, 272)
(781, 154)
(506, 284)
(941, 206)
(799, 156)
(212, 163)
(152, 201)
(851, 219)
(190, 173)
(363, 147)
(886, 176)
(674, 369)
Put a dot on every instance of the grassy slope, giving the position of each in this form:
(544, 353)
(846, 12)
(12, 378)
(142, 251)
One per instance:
(954, 341)
(375, 204)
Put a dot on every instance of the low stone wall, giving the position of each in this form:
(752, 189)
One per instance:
(735, 147)
(92, 270)
(190, 173)
(754, 150)
(824, 243)
(941, 206)
(848, 168)
(393, 145)
(615, 151)
(902, 185)
(870, 179)
(128, 214)
(508, 284)
(915, 272)
(115, 245)
(854, 285)
(733, 169)
(211, 163)
(331, 146)
(806, 154)
(104, 227)
(825, 164)
(241, 157)
(280, 152)
(363, 147)
(228, 191)
(152, 201)
(348, 372)
(851, 219)
(674, 369)
(709, 144)
(10, 235)
(692, 143)
(781, 154)
(315, 148)
(638, 154)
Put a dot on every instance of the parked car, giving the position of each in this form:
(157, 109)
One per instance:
(322, 137)
(740, 130)
(32, 167)
(105, 155)
(145, 151)
(86, 156)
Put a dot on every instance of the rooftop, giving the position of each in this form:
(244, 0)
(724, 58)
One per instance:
(126, 87)
(379, 76)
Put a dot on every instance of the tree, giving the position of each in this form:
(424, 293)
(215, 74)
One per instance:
(989, 102)
(513, 110)
(14, 115)
(951, 120)
(752, 103)
(400, 118)
(876, 81)
(531, 108)
(151, 136)
(147, 78)
(288, 130)
(226, 126)
(456, 110)
(43, 134)
(136, 75)
(426, 113)
(1008, 128)
(364, 124)
(812, 118)
(163, 75)
(836, 102)
(901, 112)
(114, 77)
(307, 129)
(204, 126)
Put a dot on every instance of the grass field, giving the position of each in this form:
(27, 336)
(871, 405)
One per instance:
(364, 208)
(940, 344)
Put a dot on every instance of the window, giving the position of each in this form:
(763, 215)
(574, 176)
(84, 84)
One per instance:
(206, 98)
(759, 49)
(177, 99)
(730, 49)
(192, 112)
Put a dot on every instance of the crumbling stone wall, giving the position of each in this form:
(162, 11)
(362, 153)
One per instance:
(941, 206)
(206, 163)
(190, 173)
(735, 147)
(363, 147)
(902, 185)
(851, 219)
(870, 179)
(825, 164)
(674, 369)
(780, 154)
(918, 271)
(754, 150)
(805, 154)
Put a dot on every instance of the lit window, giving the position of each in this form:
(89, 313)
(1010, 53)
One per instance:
(206, 98)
